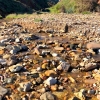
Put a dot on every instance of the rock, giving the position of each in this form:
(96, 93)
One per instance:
(50, 73)
(0, 97)
(51, 35)
(54, 54)
(31, 37)
(45, 52)
(93, 45)
(3, 62)
(1, 51)
(12, 60)
(8, 80)
(15, 50)
(45, 66)
(73, 98)
(54, 87)
(64, 66)
(91, 92)
(24, 48)
(72, 79)
(39, 69)
(3, 91)
(90, 81)
(59, 48)
(91, 51)
(6, 56)
(47, 96)
(98, 96)
(75, 71)
(90, 66)
(4, 40)
(42, 46)
(37, 51)
(16, 97)
(39, 80)
(43, 90)
(80, 95)
(26, 86)
(34, 74)
(60, 88)
(97, 77)
(15, 68)
(50, 81)
(24, 98)
(17, 40)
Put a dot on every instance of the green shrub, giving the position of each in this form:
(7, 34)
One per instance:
(66, 6)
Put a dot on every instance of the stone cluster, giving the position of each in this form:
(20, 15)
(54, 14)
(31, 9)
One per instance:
(49, 59)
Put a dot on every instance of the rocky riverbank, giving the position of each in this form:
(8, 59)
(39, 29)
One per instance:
(50, 57)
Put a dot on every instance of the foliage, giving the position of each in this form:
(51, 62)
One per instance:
(74, 6)
(66, 6)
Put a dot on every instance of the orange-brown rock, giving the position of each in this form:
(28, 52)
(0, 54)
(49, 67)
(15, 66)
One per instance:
(50, 73)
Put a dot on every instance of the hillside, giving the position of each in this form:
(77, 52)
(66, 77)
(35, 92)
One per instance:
(55, 6)
(77, 6)
(23, 6)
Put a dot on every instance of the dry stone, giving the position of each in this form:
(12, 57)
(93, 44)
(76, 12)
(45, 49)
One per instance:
(93, 45)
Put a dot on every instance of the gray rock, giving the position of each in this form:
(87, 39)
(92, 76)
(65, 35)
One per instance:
(3, 91)
(39, 80)
(9, 80)
(13, 51)
(24, 48)
(15, 68)
(31, 37)
(47, 96)
(12, 62)
(4, 40)
(0, 97)
(64, 66)
(90, 66)
(75, 70)
(26, 86)
(43, 90)
(91, 91)
(3, 62)
(50, 81)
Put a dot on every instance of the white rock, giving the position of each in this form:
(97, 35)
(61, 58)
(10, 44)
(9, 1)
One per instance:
(54, 54)
(17, 40)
